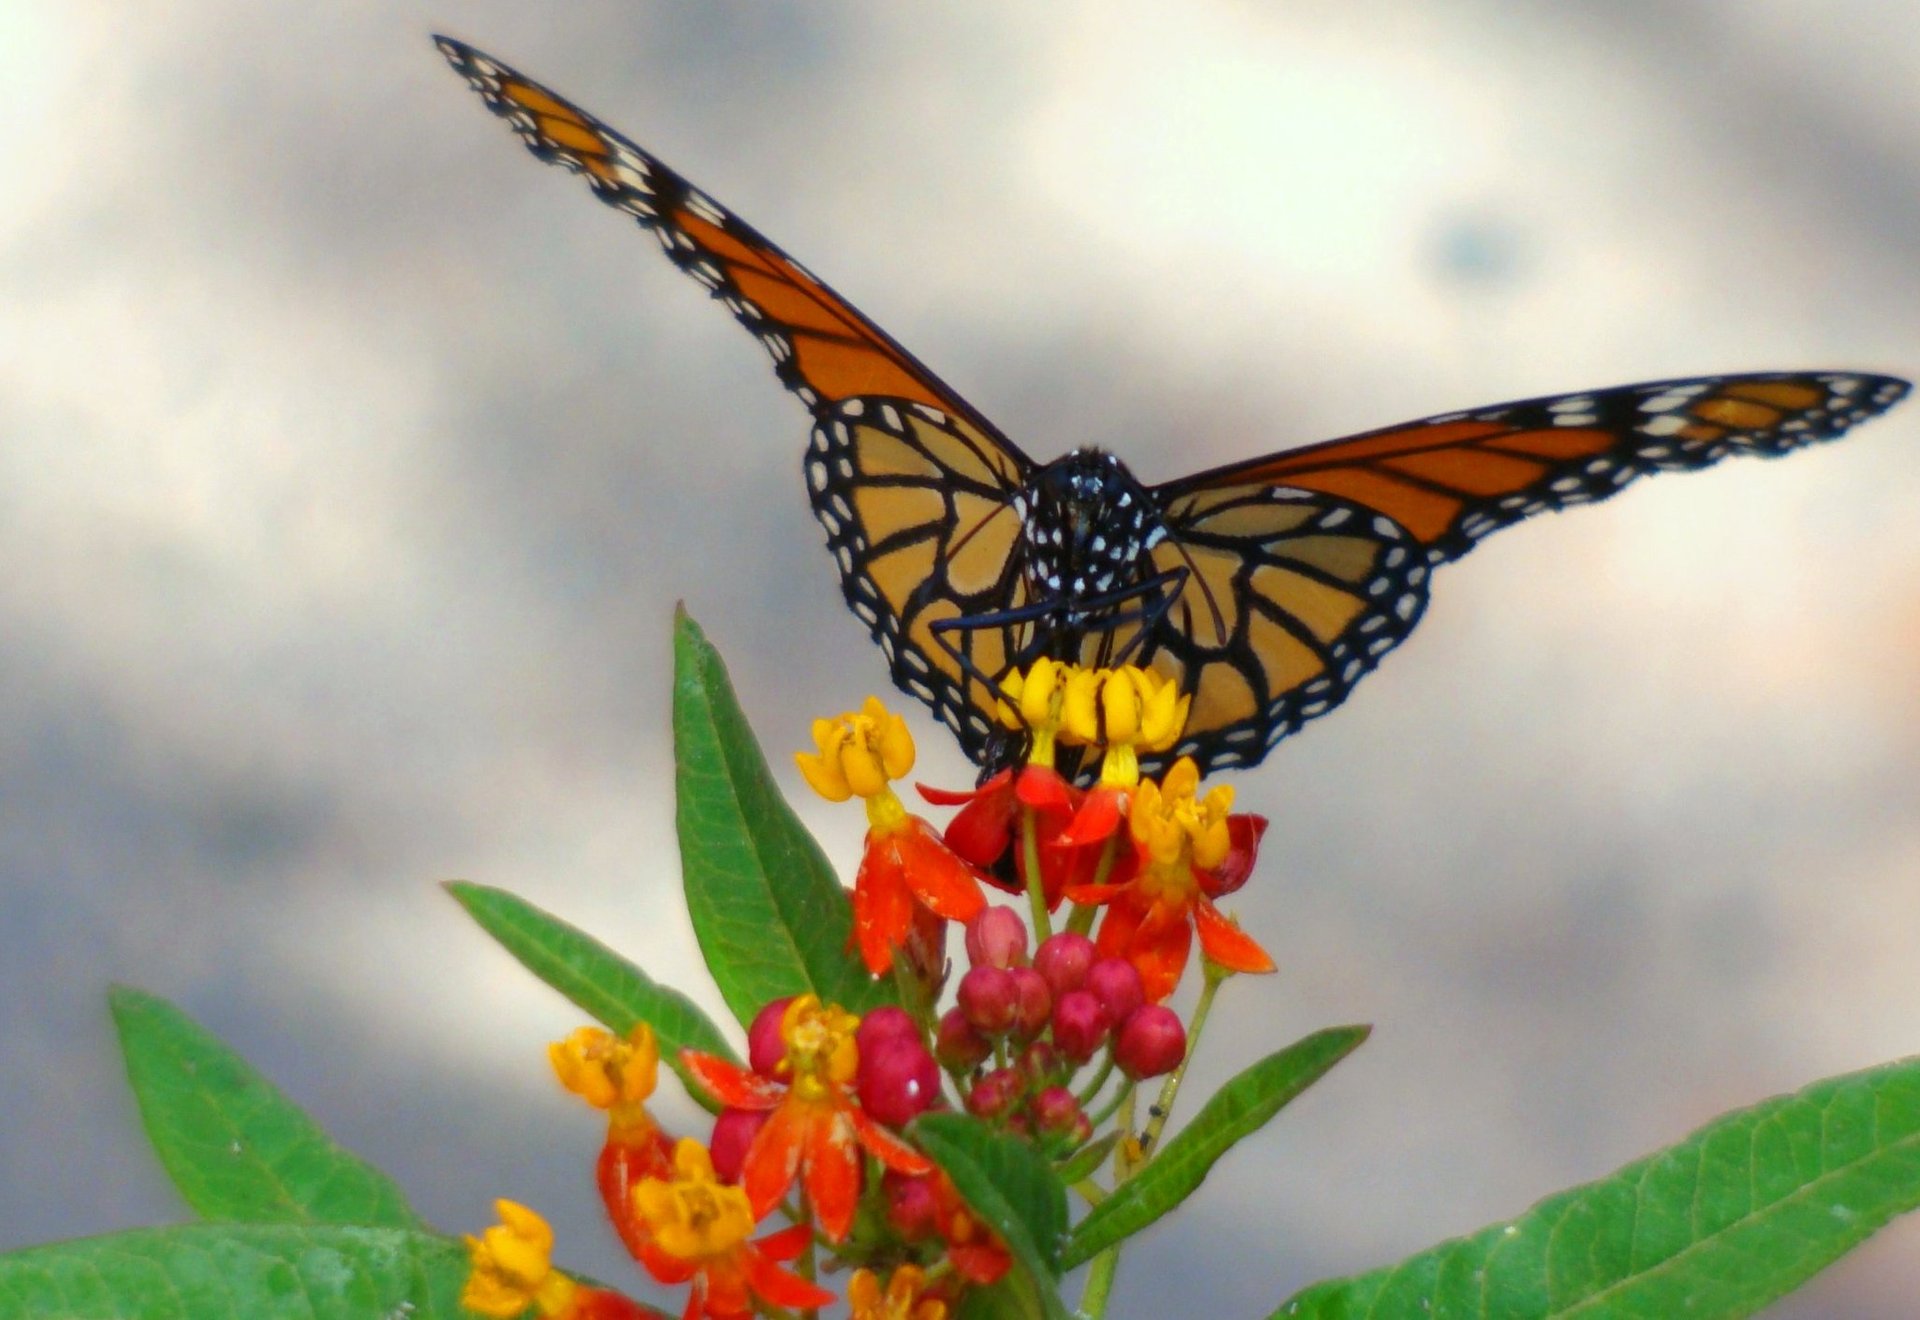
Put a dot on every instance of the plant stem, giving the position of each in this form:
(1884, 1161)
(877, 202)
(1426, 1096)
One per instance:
(1036, 883)
(1214, 974)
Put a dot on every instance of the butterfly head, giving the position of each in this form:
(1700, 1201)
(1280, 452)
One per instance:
(1088, 523)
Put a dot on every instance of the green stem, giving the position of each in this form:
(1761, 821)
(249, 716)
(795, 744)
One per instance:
(1092, 1088)
(1093, 1302)
(1214, 974)
(1036, 883)
(1123, 1095)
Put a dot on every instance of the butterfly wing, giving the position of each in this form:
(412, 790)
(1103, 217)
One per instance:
(915, 488)
(924, 517)
(1305, 568)
(1451, 480)
(823, 349)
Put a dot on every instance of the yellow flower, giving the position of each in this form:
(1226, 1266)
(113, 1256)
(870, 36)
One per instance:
(860, 752)
(1038, 698)
(1177, 828)
(822, 1056)
(694, 1216)
(1127, 711)
(511, 1267)
(607, 1072)
(900, 1301)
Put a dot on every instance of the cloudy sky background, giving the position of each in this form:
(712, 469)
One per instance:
(350, 464)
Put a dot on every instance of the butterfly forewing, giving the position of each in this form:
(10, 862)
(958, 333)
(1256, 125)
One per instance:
(823, 349)
(1451, 480)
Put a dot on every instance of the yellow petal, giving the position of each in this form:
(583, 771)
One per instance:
(823, 776)
(896, 747)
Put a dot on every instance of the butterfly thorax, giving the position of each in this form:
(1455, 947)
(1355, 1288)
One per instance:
(1088, 525)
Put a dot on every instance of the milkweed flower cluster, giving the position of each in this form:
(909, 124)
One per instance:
(811, 1164)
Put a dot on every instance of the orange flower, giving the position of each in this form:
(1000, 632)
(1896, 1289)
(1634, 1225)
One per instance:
(618, 1076)
(1191, 851)
(906, 1296)
(510, 1268)
(697, 1229)
(860, 753)
(815, 1127)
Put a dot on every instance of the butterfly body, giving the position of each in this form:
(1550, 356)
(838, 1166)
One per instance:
(1265, 588)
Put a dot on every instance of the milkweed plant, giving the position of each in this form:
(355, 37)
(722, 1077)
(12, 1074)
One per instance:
(900, 1135)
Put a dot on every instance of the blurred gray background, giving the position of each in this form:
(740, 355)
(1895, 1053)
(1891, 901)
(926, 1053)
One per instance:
(351, 463)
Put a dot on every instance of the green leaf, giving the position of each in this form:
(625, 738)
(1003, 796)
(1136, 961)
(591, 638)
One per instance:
(1236, 1110)
(1088, 1158)
(1009, 1185)
(771, 917)
(1013, 1297)
(238, 1272)
(1737, 1215)
(234, 1145)
(606, 986)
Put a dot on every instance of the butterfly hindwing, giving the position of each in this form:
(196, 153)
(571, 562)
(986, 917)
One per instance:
(1450, 480)
(923, 517)
(1287, 599)
(823, 349)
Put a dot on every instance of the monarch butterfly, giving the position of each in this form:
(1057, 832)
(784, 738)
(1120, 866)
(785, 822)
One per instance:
(1266, 588)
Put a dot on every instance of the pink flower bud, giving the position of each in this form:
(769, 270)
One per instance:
(996, 1093)
(957, 1045)
(1116, 984)
(1080, 1025)
(883, 1024)
(988, 998)
(997, 938)
(1032, 1002)
(1039, 1063)
(733, 1132)
(1056, 1113)
(764, 1046)
(912, 1209)
(1064, 959)
(1151, 1041)
(897, 1081)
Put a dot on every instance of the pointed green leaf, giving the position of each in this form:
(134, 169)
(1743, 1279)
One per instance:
(1009, 1185)
(606, 986)
(1088, 1158)
(1737, 1215)
(238, 1272)
(234, 1145)
(771, 917)
(1236, 1110)
(1014, 1297)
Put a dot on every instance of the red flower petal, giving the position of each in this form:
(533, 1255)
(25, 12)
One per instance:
(773, 1160)
(887, 1148)
(937, 876)
(787, 1244)
(733, 1086)
(1243, 834)
(783, 1287)
(1226, 943)
(1099, 815)
(882, 904)
(831, 1172)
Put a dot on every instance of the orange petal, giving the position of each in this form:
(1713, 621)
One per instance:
(1158, 951)
(732, 1085)
(773, 1160)
(936, 874)
(783, 1287)
(1226, 943)
(882, 904)
(889, 1149)
(832, 1174)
